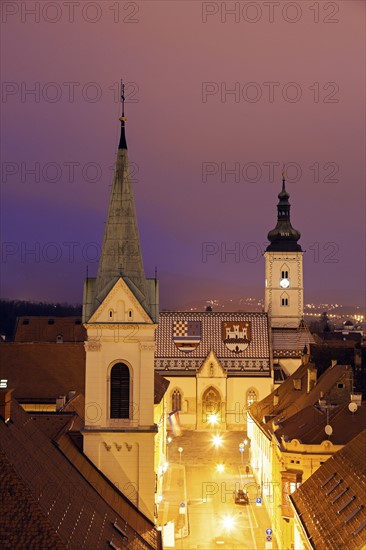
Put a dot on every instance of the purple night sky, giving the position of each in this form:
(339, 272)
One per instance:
(296, 73)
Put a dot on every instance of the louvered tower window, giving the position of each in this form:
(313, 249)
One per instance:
(120, 391)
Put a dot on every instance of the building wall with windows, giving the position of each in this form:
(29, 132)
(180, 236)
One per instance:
(288, 441)
(120, 432)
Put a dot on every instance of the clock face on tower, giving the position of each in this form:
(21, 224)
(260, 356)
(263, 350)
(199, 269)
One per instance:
(284, 283)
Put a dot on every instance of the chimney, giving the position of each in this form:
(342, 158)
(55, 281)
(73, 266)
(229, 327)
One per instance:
(357, 398)
(312, 372)
(71, 394)
(5, 404)
(60, 403)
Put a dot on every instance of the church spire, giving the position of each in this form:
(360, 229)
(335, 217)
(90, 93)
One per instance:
(283, 238)
(121, 252)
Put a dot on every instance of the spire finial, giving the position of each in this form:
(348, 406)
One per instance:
(283, 179)
(123, 97)
(122, 141)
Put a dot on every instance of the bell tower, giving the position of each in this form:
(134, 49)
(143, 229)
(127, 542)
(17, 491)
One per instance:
(120, 310)
(283, 300)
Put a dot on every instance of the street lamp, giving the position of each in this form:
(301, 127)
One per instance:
(212, 419)
(241, 451)
(220, 467)
(180, 450)
(228, 522)
(217, 440)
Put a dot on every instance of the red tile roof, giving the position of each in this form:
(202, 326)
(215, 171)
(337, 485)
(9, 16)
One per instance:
(43, 371)
(331, 504)
(308, 425)
(56, 498)
(47, 329)
(286, 401)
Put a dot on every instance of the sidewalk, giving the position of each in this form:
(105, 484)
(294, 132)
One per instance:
(174, 506)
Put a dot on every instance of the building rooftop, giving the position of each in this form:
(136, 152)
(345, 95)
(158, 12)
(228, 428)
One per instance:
(54, 497)
(290, 342)
(243, 351)
(49, 329)
(331, 504)
(293, 395)
(43, 371)
(308, 425)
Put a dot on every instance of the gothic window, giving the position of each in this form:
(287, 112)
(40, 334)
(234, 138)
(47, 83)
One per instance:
(252, 396)
(120, 391)
(211, 400)
(176, 400)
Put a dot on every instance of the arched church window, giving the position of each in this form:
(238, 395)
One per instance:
(120, 391)
(252, 396)
(176, 400)
(211, 401)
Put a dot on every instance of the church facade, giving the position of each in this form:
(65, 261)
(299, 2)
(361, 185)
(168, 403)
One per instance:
(215, 364)
(218, 364)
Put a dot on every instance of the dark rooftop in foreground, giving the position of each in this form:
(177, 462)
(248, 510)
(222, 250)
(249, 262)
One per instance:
(54, 497)
(331, 504)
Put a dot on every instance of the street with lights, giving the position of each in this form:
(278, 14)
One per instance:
(206, 470)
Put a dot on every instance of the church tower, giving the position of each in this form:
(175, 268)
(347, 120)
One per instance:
(283, 300)
(120, 312)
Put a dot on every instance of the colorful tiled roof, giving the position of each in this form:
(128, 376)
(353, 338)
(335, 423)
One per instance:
(290, 342)
(254, 359)
(331, 504)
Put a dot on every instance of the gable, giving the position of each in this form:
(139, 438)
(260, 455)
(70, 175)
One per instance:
(120, 306)
(211, 368)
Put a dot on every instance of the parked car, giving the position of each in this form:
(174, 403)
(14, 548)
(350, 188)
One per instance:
(241, 497)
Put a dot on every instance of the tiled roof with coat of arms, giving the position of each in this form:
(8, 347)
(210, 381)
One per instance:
(240, 341)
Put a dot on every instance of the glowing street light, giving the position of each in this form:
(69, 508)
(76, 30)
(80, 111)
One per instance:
(229, 523)
(220, 467)
(212, 419)
(217, 440)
